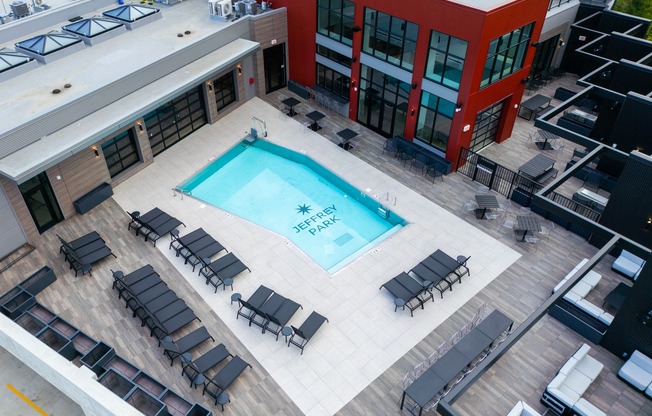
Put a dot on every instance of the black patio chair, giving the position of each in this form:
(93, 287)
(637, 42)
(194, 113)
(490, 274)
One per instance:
(174, 349)
(200, 366)
(434, 171)
(256, 300)
(307, 330)
(225, 377)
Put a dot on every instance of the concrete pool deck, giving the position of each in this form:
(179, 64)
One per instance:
(364, 336)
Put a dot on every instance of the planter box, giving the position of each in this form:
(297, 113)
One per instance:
(58, 342)
(42, 313)
(150, 385)
(115, 382)
(93, 198)
(176, 404)
(39, 281)
(198, 410)
(99, 355)
(145, 403)
(17, 304)
(119, 365)
(83, 343)
(64, 328)
(30, 323)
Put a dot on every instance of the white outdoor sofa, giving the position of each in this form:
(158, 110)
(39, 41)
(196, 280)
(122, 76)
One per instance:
(637, 372)
(628, 264)
(564, 393)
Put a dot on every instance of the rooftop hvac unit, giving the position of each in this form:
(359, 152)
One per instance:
(220, 8)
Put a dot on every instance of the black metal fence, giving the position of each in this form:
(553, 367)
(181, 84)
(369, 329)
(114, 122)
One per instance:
(519, 188)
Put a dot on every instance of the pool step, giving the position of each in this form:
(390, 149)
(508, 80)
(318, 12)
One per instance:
(383, 212)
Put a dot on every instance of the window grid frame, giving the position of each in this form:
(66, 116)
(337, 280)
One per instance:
(503, 49)
(372, 31)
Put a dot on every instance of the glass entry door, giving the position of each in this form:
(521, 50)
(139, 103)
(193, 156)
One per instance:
(41, 202)
(274, 58)
(486, 126)
(382, 104)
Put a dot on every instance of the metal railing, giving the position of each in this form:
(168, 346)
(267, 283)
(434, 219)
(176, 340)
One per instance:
(513, 185)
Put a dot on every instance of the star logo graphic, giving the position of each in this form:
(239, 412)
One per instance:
(304, 209)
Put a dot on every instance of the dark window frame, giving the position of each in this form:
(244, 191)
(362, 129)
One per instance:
(123, 147)
(390, 36)
(431, 61)
(337, 15)
(435, 137)
(506, 54)
(327, 79)
(225, 90)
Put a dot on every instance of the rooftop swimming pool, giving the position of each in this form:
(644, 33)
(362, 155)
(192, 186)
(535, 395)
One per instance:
(287, 192)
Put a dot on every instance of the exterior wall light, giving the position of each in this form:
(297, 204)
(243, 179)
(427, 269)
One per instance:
(458, 107)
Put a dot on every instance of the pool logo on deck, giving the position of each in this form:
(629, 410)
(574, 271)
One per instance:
(318, 222)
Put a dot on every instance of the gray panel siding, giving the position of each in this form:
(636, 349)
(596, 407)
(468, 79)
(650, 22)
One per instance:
(11, 235)
(65, 115)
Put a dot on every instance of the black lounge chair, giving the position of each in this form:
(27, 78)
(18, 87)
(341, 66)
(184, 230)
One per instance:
(174, 349)
(154, 224)
(200, 366)
(82, 252)
(225, 377)
(282, 316)
(261, 314)
(226, 267)
(307, 330)
(452, 264)
(178, 243)
(430, 279)
(256, 300)
(410, 297)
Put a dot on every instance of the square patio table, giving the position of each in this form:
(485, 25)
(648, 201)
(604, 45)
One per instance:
(527, 223)
(346, 135)
(531, 105)
(315, 116)
(536, 166)
(495, 324)
(617, 297)
(547, 136)
(485, 201)
(291, 102)
(472, 345)
(424, 389)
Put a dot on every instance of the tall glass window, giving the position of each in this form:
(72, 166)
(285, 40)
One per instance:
(383, 102)
(335, 20)
(446, 60)
(334, 56)
(435, 119)
(506, 55)
(120, 152)
(389, 38)
(224, 88)
(333, 81)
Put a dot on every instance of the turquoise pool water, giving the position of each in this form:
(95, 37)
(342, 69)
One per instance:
(290, 194)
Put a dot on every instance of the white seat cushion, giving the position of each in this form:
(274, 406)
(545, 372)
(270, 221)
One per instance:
(559, 285)
(572, 297)
(592, 278)
(569, 366)
(584, 408)
(523, 409)
(582, 351)
(590, 367)
(581, 289)
(589, 307)
(578, 382)
(635, 375)
(606, 318)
